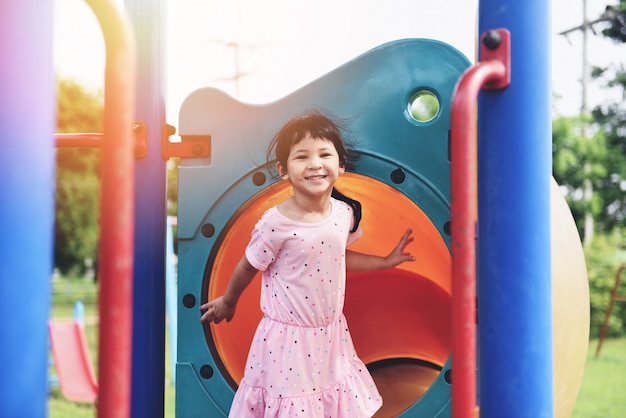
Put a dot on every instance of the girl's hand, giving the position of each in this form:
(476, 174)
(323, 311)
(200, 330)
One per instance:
(216, 311)
(398, 255)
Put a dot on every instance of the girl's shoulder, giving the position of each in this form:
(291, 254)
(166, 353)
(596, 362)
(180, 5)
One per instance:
(340, 204)
(274, 219)
(271, 214)
(340, 208)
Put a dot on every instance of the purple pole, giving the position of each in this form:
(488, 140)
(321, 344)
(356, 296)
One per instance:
(27, 121)
(515, 320)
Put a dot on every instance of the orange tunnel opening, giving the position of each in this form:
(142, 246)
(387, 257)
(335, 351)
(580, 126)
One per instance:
(399, 319)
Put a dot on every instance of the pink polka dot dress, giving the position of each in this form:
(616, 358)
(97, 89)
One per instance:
(302, 362)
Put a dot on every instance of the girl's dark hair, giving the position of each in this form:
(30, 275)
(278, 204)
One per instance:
(318, 126)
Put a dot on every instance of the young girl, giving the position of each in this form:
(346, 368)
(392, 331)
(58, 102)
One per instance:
(302, 362)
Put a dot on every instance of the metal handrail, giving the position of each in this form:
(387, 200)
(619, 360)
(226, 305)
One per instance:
(491, 73)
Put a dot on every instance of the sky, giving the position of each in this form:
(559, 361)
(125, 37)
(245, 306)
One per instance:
(285, 44)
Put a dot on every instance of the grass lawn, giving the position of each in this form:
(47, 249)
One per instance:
(603, 392)
(602, 395)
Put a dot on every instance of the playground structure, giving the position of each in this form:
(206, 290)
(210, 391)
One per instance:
(72, 360)
(520, 247)
(616, 296)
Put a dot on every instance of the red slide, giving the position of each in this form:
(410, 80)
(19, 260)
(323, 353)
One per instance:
(72, 361)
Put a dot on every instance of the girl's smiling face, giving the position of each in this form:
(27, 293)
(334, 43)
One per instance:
(313, 166)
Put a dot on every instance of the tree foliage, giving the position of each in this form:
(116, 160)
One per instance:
(616, 16)
(593, 148)
(77, 183)
(576, 158)
(611, 120)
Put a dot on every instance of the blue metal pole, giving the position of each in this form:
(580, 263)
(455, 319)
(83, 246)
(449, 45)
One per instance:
(171, 294)
(148, 370)
(27, 121)
(514, 155)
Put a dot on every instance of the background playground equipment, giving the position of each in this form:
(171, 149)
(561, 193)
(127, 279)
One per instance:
(516, 307)
(72, 360)
(616, 296)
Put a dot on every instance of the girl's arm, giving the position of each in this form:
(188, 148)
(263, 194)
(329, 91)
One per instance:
(366, 262)
(224, 306)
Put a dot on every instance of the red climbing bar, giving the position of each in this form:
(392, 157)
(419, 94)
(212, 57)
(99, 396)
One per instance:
(115, 259)
(77, 140)
(95, 140)
(493, 73)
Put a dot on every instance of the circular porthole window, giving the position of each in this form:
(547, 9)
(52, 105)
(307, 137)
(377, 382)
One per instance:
(423, 106)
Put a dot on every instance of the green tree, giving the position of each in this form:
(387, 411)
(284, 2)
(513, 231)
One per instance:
(77, 182)
(606, 253)
(616, 16)
(577, 158)
(611, 120)
(589, 151)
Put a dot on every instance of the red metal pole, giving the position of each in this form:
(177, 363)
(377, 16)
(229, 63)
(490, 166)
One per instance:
(492, 73)
(94, 140)
(115, 259)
